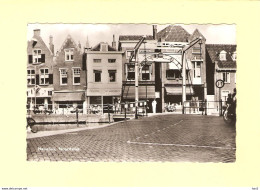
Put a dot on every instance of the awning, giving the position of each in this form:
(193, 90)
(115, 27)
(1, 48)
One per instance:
(129, 92)
(177, 90)
(68, 96)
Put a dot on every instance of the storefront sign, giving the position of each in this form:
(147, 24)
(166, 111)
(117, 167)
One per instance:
(103, 92)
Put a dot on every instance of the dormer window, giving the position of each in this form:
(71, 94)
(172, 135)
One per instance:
(103, 47)
(222, 55)
(234, 56)
(69, 54)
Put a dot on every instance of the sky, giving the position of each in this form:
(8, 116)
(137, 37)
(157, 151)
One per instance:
(95, 33)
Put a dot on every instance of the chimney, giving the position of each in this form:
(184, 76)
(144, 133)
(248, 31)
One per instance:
(51, 44)
(155, 32)
(87, 47)
(114, 42)
(79, 45)
(37, 32)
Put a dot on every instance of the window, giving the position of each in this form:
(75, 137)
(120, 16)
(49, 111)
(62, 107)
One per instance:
(222, 55)
(128, 54)
(63, 77)
(37, 56)
(97, 60)
(173, 74)
(49, 93)
(69, 54)
(130, 72)
(226, 77)
(104, 47)
(111, 60)
(30, 76)
(44, 76)
(224, 95)
(97, 75)
(234, 56)
(76, 76)
(112, 75)
(146, 75)
(197, 69)
(196, 50)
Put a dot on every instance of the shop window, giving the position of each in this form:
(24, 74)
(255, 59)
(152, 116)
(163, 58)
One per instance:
(112, 75)
(197, 69)
(30, 76)
(69, 53)
(111, 60)
(146, 74)
(97, 75)
(173, 74)
(63, 77)
(130, 72)
(76, 76)
(44, 76)
(226, 77)
(37, 55)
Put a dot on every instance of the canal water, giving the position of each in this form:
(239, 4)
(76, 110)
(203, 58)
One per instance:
(51, 127)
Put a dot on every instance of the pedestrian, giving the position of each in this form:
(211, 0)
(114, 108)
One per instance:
(154, 105)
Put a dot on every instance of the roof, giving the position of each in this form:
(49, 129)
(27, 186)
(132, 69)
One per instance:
(134, 37)
(97, 47)
(214, 50)
(69, 43)
(174, 33)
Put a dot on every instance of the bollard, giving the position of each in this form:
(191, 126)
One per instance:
(108, 114)
(77, 116)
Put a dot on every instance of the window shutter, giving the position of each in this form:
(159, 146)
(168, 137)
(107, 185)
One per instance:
(151, 69)
(30, 58)
(37, 79)
(51, 78)
(42, 58)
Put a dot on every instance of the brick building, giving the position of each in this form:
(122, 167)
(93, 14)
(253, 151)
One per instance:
(39, 72)
(104, 75)
(147, 74)
(69, 77)
(221, 64)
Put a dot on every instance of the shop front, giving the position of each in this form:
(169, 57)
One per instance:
(103, 100)
(39, 98)
(145, 94)
(66, 102)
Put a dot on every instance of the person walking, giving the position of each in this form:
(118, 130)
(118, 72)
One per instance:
(154, 105)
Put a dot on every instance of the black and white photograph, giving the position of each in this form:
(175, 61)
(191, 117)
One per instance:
(131, 93)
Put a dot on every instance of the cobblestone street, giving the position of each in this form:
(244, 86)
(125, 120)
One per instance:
(160, 138)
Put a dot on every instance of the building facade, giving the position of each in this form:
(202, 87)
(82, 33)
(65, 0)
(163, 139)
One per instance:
(39, 72)
(221, 64)
(104, 76)
(147, 70)
(69, 78)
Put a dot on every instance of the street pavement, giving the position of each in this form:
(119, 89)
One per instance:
(160, 138)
